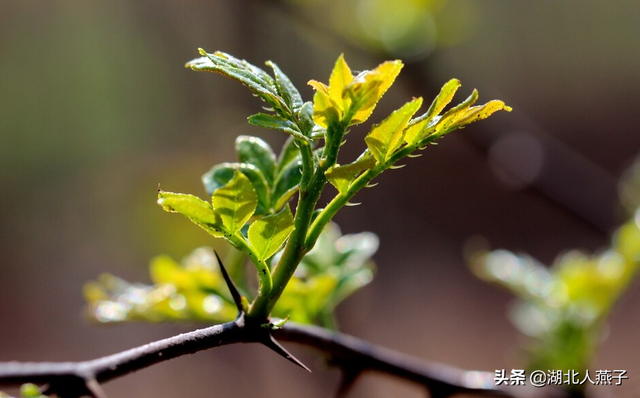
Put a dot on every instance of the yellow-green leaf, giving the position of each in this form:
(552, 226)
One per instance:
(449, 119)
(387, 136)
(368, 87)
(340, 78)
(418, 126)
(267, 234)
(235, 202)
(342, 176)
(324, 110)
(194, 208)
(476, 113)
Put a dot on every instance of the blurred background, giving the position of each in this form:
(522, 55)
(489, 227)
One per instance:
(96, 109)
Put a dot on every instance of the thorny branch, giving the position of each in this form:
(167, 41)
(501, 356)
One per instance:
(352, 355)
(76, 379)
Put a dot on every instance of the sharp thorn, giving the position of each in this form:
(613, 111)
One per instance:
(414, 155)
(372, 185)
(349, 204)
(395, 167)
(237, 297)
(94, 388)
(271, 343)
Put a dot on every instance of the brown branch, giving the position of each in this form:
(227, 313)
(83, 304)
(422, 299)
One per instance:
(76, 379)
(352, 353)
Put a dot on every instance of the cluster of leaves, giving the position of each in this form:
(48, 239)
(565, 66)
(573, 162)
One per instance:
(194, 289)
(563, 308)
(248, 199)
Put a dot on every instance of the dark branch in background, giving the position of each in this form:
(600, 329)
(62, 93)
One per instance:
(355, 356)
(75, 379)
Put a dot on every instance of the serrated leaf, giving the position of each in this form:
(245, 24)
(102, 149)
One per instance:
(416, 128)
(387, 136)
(235, 202)
(254, 78)
(267, 234)
(446, 123)
(340, 78)
(443, 99)
(325, 111)
(305, 119)
(369, 86)
(287, 183)
(221, 174)
(477, 113)
(276, 122)
(287, 90)
(280, 202)
(342, 176)
(254, 151)
(288, 154)
(194, 208)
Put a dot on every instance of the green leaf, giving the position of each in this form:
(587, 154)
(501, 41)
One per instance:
(276, 122)
(342, 176)
(267, 234)
(286, 89)
(386, 137)
(288, 154)
(305, 119)
(221, 174)
(256, 152)
(254, 78)
(194, 208)
(235, 202)
(287, 183)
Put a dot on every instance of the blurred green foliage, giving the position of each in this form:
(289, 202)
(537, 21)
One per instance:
(563, 308)
(194, 290)
(27, 390)
(404, 28)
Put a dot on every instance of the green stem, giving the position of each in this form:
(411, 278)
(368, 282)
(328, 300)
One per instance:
(264, 275)
(296, 247)
(337, 203)
(308, 165)
(342, 199)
